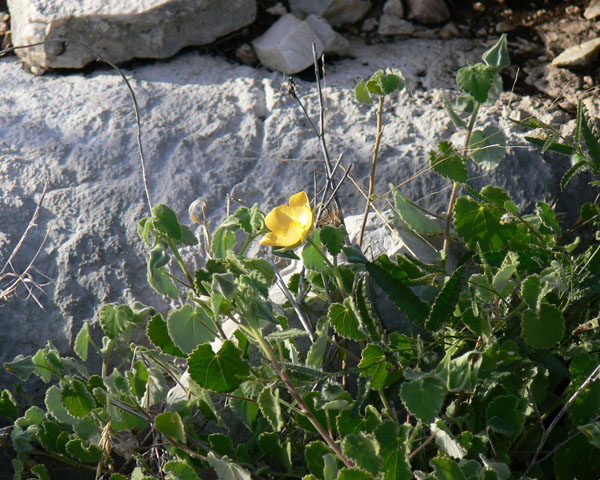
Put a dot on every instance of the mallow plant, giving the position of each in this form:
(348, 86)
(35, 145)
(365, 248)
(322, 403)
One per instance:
(494, 378)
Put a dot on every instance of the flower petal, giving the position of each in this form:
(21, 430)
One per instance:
(277, 220)
(300, 199)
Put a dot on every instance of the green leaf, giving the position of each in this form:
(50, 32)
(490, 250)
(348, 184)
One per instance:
(270, 444)
(361, 93)
(158, 278)
(445, 302)
(590, 135)
(414, 217)
(458, 122)
(446, 469)
(221, 443)
(367, 314)
(576, 460)
(89, 454)
(268, 402)
(393, 441)
(375, 364)
(55, 407)
(226, 469)
(449, 163)
(476, 80)
(314, 453)
(8, 405)
(178, 470)
(344, 320)
(33, 416)
(497, 57)
(312, 255)
(505, 414)
(22, 367)
(41, 472)
(553, 146)
(500, 282)
(354, 474)
(222, 372)
(170, 424)
(314, 357)
(399, 293)
(77, 399)
(480, 223)
(488, 147)
(533, 291)
(165, 221)
(82, 342)
(190, 327)
(543, 330)
(364, 450)
(447, 441)
(592, 432)
(423, 398)
(330, 470)
(115, 319)
(223, 241)
(158, 333)
(571, 172)
(333, 238)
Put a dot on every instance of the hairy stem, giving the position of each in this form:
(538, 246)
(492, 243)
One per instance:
(465, 150)
(372, 174)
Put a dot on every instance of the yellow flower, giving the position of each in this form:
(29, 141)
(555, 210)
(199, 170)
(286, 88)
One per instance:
(289, 224)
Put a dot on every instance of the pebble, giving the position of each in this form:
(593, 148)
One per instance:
(245, 54)
(392, 25)
(428, 11)
(572, 10)
(394, 7)
(277, 10)
(450, 30)
(579, 55)
(593, 10)
(370, 24)
(505, 26)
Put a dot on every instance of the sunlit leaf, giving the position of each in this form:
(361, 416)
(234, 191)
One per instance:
(222, 372)
(423, 398)
(170, 424)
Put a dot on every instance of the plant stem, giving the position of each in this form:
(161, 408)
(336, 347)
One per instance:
(181, 262)
(372, 174)
(281, 373)
(333, 267)
(465, 150)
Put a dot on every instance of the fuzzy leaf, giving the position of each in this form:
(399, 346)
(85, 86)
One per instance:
(488, 147)
(392, 442)
(314, 453)
(364, 449)
(476, 80)
(8, 406)
(190, 327)
(77, 399)
(399, 293)
(497, 57)
(178, 470)
(268, 402)
(423, 398)
(158, 333)
(115, 319)
(446, 469)
(222, 372)
(543, 330)
(354, 474)
(82, 342)
(414, 217)
(590, 135)
(505, 414)
(361, 93)
(170, 424)
(446, 301)
(367, 314)
(501, 279)
(157, 275)
(226, 469)
(274, 448)
(375, 364)
(165, 221)
(333, 238)
(312, 256)
(344, 321)
(448, 163)
(89, 454)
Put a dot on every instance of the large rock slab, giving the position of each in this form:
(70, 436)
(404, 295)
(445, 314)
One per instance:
(120, 30)
(210, 129)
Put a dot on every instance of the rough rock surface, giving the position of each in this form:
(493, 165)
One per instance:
(211, 129)
(336, 12)
(428, 11)
(287, 45)
(120, 30)
(578, 56)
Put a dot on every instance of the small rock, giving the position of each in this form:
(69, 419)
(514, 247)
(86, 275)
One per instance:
(572, 10)
(579, 55)
(428, 11)
(370, 24)
(593, 10)
(450, 30)
(4, 17)
(277, 10)
(394, 7)
(245, 54)
(479, 7)
(287, 45)
(588, 81)
(392, 25)
(336, 12)
(505, 26)
(332, 41)
(3, 28)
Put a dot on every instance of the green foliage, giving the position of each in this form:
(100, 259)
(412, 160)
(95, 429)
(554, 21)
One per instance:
(322, 387)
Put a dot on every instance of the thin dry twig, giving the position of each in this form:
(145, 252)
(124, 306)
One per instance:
(591, 378)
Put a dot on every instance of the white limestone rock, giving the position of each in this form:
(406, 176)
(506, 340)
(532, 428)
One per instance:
(287, 45)
(393, 25)
(428, 12)
(579, 55)
(118, 30)
(593, 10)
(336, 12)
